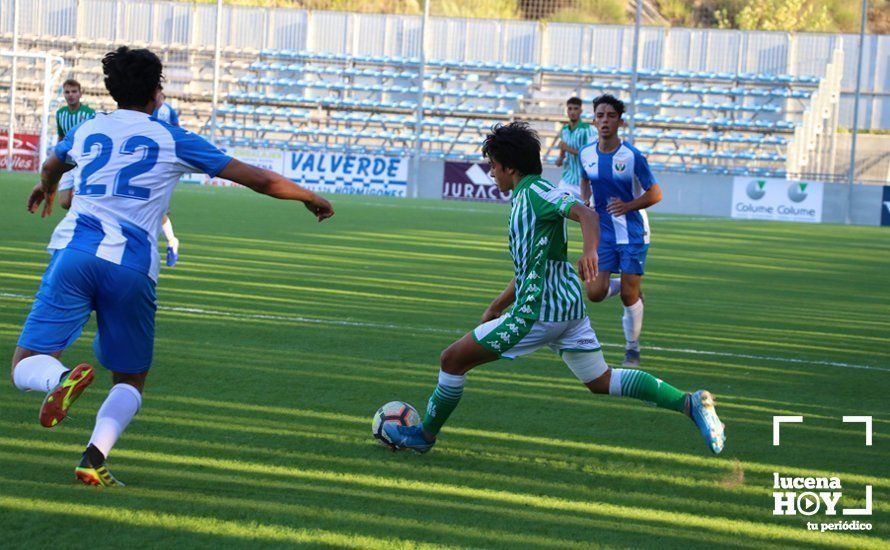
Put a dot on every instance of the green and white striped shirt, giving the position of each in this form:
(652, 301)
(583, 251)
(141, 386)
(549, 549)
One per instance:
(576, 139)
(67, 119)
(547, 285)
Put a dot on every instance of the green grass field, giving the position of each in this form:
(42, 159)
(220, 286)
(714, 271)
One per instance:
(277, 338)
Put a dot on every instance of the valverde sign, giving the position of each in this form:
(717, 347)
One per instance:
(354, 174)
(776, 199)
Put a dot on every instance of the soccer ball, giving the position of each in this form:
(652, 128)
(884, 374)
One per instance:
(394, 411)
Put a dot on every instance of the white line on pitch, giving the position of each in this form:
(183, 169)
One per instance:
(362, 324)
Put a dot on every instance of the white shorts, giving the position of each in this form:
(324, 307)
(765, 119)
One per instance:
(67, 181)
(511, 337)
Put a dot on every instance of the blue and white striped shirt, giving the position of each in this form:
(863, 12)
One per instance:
(166, 113)
(127, 165)
(623, 174)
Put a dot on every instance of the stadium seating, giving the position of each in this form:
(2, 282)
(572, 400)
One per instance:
(696, 121)
(705, 117)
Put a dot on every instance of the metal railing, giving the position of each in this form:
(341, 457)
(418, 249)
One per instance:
(197, 27)
(813, 148)
(53, 67)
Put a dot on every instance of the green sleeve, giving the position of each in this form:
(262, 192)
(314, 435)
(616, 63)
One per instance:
(59, 129)
(550, 203)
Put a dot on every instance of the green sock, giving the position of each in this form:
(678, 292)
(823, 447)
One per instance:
(443, 401)
(645, 387)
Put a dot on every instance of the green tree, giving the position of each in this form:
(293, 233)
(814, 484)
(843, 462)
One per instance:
(489, 9)
(591, 11)
(679, 12)
(784, 15)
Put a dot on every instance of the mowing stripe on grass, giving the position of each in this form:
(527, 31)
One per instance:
(362, 324)
(250, 530)
(713, 523)
(556, 519)
(660, 217)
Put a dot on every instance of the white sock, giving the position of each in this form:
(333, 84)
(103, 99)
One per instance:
(614, 287)
(633, 324)
(38, 373)
(115, 414)
(615, 382)
(172, 241)
(452, 380)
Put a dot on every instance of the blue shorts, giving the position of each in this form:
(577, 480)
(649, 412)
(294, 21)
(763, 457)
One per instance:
(622, 258)
(76, 283)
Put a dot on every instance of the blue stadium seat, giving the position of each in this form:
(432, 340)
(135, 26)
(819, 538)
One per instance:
(713, 122)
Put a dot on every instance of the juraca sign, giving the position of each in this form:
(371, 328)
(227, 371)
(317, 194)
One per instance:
(776, 199)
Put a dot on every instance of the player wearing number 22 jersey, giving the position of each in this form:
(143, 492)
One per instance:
(126, 167)
(104, 251)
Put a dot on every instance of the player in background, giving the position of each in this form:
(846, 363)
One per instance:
(67, 117)
(623, 187)
(543, 304)
(166, 113)
(104, 251)
(573, 136)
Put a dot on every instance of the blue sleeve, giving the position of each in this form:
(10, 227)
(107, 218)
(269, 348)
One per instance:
(584, 174)
(63, 147)
(198, 153)
(174, 116)
(642, 171)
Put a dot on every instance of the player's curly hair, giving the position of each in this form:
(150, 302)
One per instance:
(514, 145)
(132, 76)
(609, 99)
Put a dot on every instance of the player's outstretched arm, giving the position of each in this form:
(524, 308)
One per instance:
(502, 302)
(588, 263)
(275, 185)
(50, 174)
(652, 196)
(65, 198)
(586, 191)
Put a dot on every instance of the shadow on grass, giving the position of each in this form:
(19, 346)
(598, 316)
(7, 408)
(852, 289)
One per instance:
(372, 514)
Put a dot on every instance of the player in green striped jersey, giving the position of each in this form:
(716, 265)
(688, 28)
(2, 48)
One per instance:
(572, 138)
(67, 117)
(543, 305)
(74, 112)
